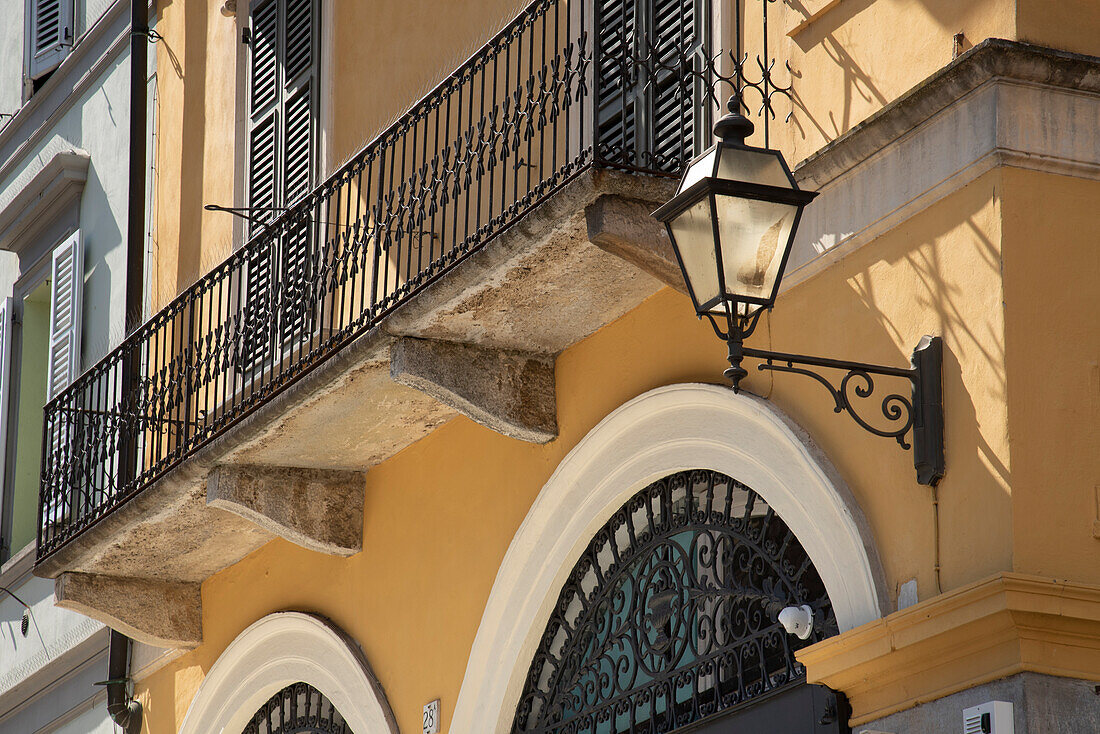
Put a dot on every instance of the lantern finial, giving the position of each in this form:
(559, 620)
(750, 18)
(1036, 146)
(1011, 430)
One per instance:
(733, 127)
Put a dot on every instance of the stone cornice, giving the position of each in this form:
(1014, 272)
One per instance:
(1000, 626)
(1002, 104)
(994, 58)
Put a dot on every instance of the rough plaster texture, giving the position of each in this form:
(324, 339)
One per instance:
(349, 414)
(1041, 704)
(318, 509)
(508, 391)
(166, 532)
(161, 613)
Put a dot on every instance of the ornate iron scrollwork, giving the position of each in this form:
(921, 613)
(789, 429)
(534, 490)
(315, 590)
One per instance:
(298, 709)
(670, 615)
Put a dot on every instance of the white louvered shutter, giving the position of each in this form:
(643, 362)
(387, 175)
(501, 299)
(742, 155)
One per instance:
(66, 293)
(50, 30)
(5, 378)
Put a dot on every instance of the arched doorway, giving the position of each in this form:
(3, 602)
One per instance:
(670, 619)
(666, 430)
(298, 709)
(290, 673)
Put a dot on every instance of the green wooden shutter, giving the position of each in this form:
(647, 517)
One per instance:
(647, 115)
(282, 169)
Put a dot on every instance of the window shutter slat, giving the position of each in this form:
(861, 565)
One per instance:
(50, 34)
(5, 375)
(66, 294)
(617, 21)
(675, 24)
(641, 44)
(299, 38)
(279, 300)
(262, 158)
(298, 139)
(265, 66)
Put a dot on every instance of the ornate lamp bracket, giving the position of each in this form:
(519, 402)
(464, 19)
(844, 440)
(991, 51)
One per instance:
(921, 412)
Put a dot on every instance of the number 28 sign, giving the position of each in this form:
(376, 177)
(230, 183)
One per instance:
(431, 717)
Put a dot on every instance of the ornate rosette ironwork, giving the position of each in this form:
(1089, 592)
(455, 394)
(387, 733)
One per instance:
(298, 709)
(670, 615)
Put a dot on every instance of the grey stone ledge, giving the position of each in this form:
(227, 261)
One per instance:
(994, 58)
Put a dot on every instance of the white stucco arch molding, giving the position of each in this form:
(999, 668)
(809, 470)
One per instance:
(663, 431)
(278, 650)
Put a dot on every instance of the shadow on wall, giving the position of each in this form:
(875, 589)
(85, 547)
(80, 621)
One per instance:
(937, 273)
(827, 31)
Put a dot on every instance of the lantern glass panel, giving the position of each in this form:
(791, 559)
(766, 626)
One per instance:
(754, 236)
(752, 166)
(700, 169)
(693, 230)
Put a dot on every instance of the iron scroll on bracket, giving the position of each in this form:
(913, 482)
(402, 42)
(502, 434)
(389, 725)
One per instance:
(921, 412)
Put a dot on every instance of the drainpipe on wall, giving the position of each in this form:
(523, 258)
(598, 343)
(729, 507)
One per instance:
(135, 222)
(122, 708)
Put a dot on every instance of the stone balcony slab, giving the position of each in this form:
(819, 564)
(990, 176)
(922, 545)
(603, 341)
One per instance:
(479, 341)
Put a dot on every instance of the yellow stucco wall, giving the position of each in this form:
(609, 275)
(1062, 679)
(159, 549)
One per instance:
(1051, 270)
(851, 58)
(440, 515)
(196, 93)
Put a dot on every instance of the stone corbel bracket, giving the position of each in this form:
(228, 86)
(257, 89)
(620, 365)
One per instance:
(318, 509)
(508, 391)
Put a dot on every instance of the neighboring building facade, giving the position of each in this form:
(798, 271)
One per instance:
(432, 420)
(64, 175)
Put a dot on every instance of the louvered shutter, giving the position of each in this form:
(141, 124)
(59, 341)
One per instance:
(66, 292)
(50, 34)
(646, 111)
(617, 25)
(282, 161)
(678, 28)
(298, 273)
(264, 102)
(5, 379)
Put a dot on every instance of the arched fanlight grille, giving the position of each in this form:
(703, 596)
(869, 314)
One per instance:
(670, 615)
(298, 709)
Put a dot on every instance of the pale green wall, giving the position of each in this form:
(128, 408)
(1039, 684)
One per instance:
(32, 396)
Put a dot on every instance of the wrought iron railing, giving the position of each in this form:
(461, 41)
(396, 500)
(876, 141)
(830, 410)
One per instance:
(566, 86)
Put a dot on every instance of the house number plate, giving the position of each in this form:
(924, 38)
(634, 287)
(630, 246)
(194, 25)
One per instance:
(431, 717)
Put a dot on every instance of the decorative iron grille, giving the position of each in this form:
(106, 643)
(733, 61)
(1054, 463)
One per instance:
(539, 104)
(670, 615)
(298, 709)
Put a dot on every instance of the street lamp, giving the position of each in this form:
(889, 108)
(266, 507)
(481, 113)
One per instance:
(732, 224)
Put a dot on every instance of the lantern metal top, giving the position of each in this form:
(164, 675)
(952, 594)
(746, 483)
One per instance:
(732, 221)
